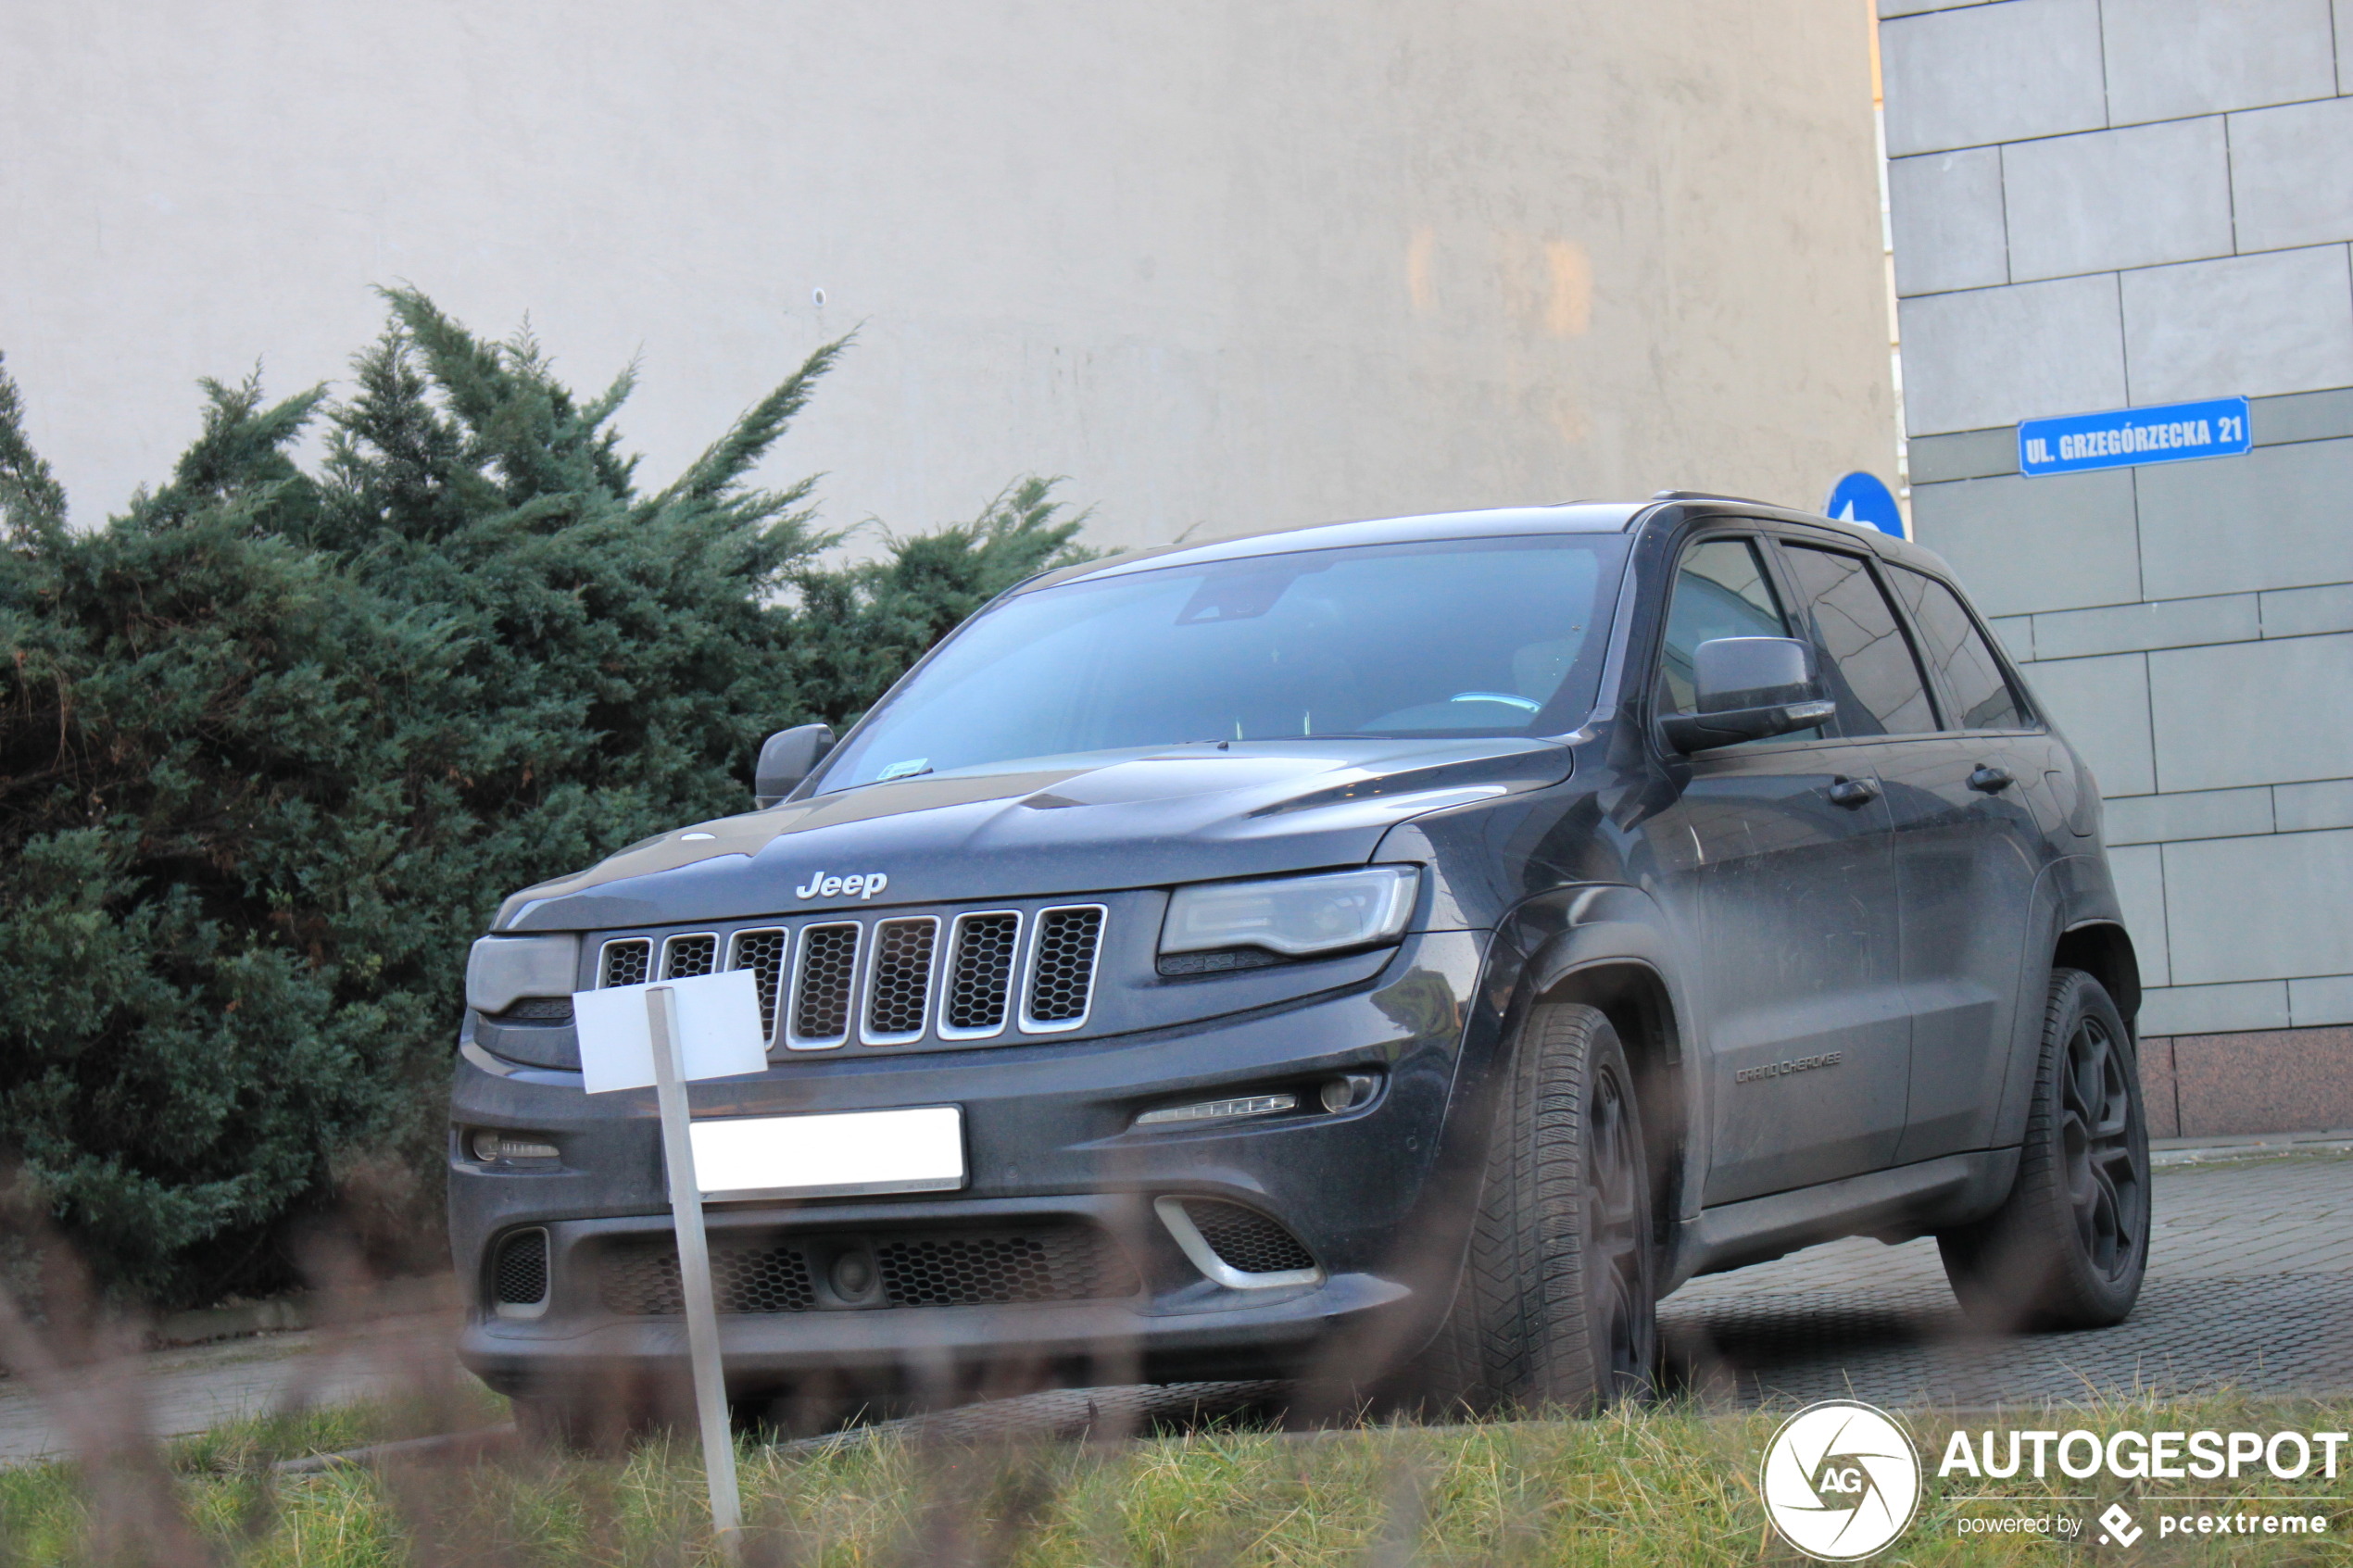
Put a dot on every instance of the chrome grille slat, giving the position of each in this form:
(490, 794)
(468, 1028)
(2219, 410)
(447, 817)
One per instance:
(824, 979)
(979, 992)
(762, 952)
(1061, 968)
(891, 980)
(683, 957)
(625, 961)
(898, 980)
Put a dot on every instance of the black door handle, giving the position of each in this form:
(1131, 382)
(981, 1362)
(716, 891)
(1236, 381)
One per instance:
(1853, 792)
(1990, 779)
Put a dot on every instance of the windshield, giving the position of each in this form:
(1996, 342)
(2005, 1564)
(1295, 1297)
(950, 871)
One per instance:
(1471, 636)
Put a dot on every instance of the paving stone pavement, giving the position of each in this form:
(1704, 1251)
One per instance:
(2250, 1286)
(196, 1387)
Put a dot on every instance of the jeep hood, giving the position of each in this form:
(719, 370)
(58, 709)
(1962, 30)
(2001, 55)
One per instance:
(1097, 822)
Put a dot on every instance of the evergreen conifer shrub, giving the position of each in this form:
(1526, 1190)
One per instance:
(274, 743)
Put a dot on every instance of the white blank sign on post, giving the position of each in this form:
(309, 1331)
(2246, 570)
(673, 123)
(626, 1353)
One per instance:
(718, 1026)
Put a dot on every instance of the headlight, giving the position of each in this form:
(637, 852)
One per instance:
(502, 969)
(1295, 915)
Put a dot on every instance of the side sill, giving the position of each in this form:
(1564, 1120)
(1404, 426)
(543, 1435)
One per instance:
(1950, 1190)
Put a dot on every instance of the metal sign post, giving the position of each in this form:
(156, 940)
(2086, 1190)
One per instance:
(694, 1270)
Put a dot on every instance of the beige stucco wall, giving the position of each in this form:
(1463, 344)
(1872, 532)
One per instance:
(1225, 265)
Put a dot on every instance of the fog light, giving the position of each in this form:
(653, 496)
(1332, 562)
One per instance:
(1346, 1093)
(853, 1276)
(490, 1147)
(1219, 1109)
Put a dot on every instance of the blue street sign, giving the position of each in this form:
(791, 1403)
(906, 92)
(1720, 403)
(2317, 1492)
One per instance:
(1860, 497)
(2123, 438)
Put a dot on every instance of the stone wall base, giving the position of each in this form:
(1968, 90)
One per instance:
(2262, 1081)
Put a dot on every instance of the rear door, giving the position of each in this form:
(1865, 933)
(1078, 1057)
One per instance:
(1780, 859)
(1967, 851)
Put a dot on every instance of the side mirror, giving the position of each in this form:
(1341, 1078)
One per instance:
(787, 757)
(1750, 688)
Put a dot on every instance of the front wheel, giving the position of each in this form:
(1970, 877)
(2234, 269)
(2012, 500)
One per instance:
(2069, 1248)
(1556, 1305)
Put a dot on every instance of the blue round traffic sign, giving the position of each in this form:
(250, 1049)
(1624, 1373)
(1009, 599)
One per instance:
(1860, 497)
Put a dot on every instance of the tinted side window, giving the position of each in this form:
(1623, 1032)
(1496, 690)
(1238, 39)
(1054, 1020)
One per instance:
(1720, 591)
(1956, 650)
(1872, 673)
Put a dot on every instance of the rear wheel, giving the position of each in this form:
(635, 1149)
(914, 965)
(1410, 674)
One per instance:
(1556, 1305)
(2069, 1248)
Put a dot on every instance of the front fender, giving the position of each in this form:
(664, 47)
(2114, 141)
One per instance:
(1614, 945)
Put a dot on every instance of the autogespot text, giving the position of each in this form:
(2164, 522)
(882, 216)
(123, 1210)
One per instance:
(2144, 1456)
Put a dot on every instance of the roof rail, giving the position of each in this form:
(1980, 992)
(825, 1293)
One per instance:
(1713, 495)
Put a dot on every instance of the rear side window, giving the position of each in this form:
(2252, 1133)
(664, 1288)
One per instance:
(1872, 672)
(1720, 591)
(1956, 650)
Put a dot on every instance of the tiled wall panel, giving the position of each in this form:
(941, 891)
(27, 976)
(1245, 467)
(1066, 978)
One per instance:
(2281, 321)
(2104, 203)
(2280, 517)
(1974, 358)
(1947, 213)
(2169, 58)
(1966, 77)
(2077, 529)
(2117, 198)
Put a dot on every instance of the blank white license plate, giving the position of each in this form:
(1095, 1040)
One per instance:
(916, 1150)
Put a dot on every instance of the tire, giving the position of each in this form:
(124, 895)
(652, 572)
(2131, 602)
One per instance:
(1556, 1305)
(2069, 1246)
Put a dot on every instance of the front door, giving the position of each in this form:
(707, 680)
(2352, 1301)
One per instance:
(1783, 846)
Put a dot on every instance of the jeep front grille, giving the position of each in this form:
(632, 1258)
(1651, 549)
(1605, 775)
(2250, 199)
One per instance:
(980, 975)
(762, 952)
(1062, 970)
(625, 962)
(898, 986)
(894, 981)
(822, 985)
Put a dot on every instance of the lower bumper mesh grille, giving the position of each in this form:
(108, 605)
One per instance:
(1063, 1262)
(743, 1279)
(1069, 1263)
(1245, 1240)
(519, 1272)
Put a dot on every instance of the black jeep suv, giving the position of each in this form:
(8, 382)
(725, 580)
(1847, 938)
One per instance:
(1390, 950)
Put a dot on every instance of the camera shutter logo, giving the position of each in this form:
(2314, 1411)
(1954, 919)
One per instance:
(1840, 1480)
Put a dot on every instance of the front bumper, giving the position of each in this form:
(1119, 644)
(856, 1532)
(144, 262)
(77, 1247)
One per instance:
(1050, 1142)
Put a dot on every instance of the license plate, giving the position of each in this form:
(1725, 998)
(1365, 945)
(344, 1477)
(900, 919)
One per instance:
(824, 1156)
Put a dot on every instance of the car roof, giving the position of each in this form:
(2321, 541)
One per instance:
(1575, 517)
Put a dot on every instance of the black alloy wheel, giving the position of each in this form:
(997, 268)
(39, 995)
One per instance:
(2069, 1247)
(2105, 1179)
(1556, 1303)
(1618, 1213)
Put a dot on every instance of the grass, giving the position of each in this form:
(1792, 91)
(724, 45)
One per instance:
(1671, 1485)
